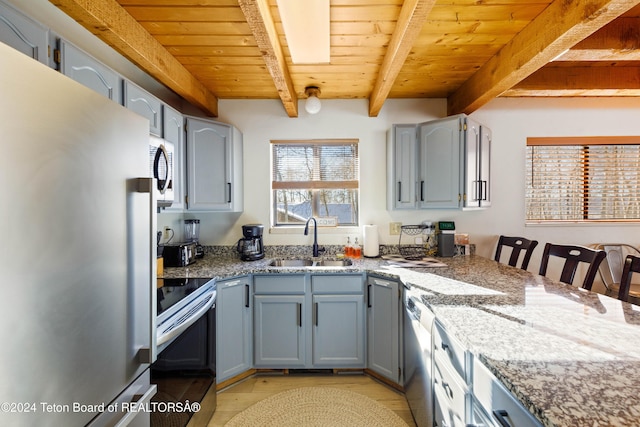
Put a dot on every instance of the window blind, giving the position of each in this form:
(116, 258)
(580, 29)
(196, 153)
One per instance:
(582, 182)
(321, 164)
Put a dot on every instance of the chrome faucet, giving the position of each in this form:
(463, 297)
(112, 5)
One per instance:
(316, 249)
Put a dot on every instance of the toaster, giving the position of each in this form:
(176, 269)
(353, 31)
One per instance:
(179, 254)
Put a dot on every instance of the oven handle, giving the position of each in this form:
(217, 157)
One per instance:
(138, 401)
(209, 298)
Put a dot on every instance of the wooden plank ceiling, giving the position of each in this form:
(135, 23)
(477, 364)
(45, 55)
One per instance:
(468, 51)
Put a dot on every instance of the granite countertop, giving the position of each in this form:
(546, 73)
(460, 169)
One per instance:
(572, 357)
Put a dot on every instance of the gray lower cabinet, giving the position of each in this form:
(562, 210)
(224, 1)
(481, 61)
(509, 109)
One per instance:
(309, 321)
(384, 346)
(280, 326)
(338, 321)
(234, 327)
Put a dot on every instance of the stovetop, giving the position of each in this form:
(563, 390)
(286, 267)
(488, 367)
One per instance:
(172, 291)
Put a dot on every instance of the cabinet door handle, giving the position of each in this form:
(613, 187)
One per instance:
(399, 191)
(501, 415)
(422, 191)
(299, 314)
(484, 192)
(315, 309)
(446, 348)
(229, 187)
(448, 390)
(246, 296)
(369, 296)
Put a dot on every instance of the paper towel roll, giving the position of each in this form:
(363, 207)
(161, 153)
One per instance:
(371, 246)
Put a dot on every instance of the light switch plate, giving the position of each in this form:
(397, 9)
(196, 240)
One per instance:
(395, 228)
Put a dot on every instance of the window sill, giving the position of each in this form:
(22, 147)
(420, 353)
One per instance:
(611, 223)
(323, 230)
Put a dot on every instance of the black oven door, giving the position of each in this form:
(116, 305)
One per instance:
(185, 374)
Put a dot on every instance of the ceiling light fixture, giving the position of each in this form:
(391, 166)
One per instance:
(313, 104)
(306, 28)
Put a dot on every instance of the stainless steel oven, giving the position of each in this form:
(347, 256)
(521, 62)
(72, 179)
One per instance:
(185, 371)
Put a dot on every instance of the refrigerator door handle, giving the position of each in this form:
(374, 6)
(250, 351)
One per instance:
(150, 354)
(138, 401)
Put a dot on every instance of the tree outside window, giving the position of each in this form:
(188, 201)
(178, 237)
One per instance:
(318, 178)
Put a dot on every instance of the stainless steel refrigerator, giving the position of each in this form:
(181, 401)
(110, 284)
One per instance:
(76, 265)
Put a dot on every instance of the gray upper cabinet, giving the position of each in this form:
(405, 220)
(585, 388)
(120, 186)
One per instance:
(477, 161)
(81, 67)
(214, 166)
(383, 328)
(440, 173)
(402, 164)
(24, 34)
(173, 130)
(143, 103)
(440, 164)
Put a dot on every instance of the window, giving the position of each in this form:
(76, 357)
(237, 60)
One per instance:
(583, 179)
(315, 178)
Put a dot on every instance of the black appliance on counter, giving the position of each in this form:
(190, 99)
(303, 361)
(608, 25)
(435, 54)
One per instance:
(250, 247)
(179, 254)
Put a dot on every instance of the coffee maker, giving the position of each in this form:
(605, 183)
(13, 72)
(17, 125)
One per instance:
(250, 247)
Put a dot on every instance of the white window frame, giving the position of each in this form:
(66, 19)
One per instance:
(316, 184)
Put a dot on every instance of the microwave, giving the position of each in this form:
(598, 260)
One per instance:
(161, 158)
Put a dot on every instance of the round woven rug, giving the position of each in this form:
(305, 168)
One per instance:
(317, 406)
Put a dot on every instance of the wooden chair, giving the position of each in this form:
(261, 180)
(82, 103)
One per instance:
(573, 256)
(631, 265)
(517, 245)
(610, 270)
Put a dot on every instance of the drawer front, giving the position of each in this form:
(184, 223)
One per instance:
(279, 284)
(337, 284)
(448, 348)
(497, 401)
(451, 395)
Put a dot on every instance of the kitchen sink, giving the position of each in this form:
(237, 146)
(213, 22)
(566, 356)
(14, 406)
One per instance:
(334, 263)
(291, 263)
(310, 263)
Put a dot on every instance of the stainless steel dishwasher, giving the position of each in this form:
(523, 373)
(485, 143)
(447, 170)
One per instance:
(418, 321)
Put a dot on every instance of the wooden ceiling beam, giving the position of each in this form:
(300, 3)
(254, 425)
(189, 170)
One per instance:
(617, 41)
(261, 23)
(412, 17)
(111, 23)
(562, 25)
(583, 80)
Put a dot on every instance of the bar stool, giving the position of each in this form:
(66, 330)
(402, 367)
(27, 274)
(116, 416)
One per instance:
(611, 268)
(573, 256)
(517, 245)
(631, 265)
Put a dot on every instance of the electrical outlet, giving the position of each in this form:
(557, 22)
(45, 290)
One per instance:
(395, 228)
(165, 234)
